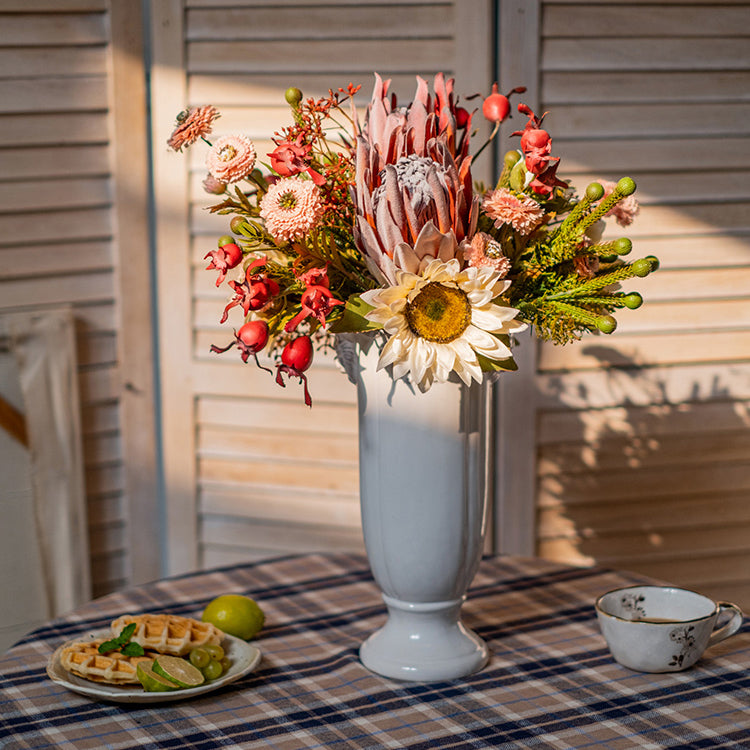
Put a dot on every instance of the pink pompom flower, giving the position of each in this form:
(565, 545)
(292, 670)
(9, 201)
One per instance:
(231, 158)
(504, 207)
(291, 208)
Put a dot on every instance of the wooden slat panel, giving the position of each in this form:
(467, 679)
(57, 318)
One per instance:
(320, 56)
(267, 89)
(614, 487)
(666, 53)
(37, 260)
(686, 316)
(89, 287)
(53, 94)
(651, 120)
(278, 539)
(586, 87)
(266, 473)
(641, 154)
(336, 450)
(51, 129)
(657, 422)
(29, 62)
(656, 349)
(602, 452)
(325, 419)
(53, 162)
(644, 515)
(50, 226)
(53, 6)
(679, 187)
(302, 505)
(349, 22)
(27, 29)
(54, 194)
(576, 20)
(99, 384)
(669, 385)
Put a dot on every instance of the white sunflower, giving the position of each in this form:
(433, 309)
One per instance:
(440, 322)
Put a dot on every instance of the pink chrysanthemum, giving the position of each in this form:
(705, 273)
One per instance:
(192, 124)
(626, 210)
(503, 207)
(290, 208)
(484, 251)
(231, 158)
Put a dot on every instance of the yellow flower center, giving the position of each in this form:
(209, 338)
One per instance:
(227, 153)
(288, 200)
(439, 313)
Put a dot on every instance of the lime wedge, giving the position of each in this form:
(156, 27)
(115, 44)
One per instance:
(179, 671)
(152, 682)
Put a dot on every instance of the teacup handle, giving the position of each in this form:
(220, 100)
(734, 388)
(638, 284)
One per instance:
(729, 628)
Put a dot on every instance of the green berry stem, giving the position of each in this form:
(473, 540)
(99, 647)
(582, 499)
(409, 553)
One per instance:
(623, 189)
(595, 284)
(579, 314)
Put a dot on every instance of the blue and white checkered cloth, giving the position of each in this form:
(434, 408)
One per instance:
(551, 682)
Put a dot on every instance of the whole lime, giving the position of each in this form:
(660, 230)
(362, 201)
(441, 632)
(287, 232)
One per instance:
(236, 615)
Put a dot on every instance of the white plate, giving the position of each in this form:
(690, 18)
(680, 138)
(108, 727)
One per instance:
(245, 658)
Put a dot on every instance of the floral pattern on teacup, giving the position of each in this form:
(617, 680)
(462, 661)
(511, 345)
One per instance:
(685, 638)
(632, 604)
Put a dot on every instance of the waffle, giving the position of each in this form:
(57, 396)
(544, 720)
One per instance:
(82, 658)
(169, 634)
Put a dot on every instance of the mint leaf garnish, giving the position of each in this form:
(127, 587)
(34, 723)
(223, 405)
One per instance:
(122, 640)
(132, 649)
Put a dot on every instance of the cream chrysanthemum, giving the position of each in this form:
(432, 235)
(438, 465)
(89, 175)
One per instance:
(231, 158)
(441, 322)
(290, 208)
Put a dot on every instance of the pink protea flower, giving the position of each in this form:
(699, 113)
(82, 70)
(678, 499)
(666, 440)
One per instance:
(484, 251)
(290, 208)
(231, 158)
(413, 185)
(504, 207)
(626, 210)
(192, 124)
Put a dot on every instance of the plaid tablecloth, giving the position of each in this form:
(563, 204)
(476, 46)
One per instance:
(551, 682)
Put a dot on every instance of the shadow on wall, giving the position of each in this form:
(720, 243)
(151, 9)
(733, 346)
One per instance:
(658, 484)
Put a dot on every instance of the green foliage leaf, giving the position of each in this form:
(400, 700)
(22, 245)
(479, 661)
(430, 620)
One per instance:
(353, 320)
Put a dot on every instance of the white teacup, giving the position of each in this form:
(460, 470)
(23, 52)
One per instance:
(662, 628)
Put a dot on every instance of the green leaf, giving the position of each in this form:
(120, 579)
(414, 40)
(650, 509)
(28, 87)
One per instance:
(132, 649)
(121, 640)
(108, 646)
(502, 365)
(353, 320)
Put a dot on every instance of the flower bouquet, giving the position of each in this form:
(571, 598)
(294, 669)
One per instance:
(376, 225)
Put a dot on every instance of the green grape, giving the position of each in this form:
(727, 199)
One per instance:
(215, 652)
(226, 662)
(212, 670)
(199, 657)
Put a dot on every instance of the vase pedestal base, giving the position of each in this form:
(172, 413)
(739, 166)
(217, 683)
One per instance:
(424, 642)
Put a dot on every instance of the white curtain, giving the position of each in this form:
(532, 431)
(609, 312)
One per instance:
(43, 344)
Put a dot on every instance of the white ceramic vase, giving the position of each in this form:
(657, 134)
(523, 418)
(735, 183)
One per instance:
(423, 485)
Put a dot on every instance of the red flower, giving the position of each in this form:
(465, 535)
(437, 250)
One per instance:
(226, 257)
(536, 145)
(292, 157)
(254, 293)
(317, 301)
